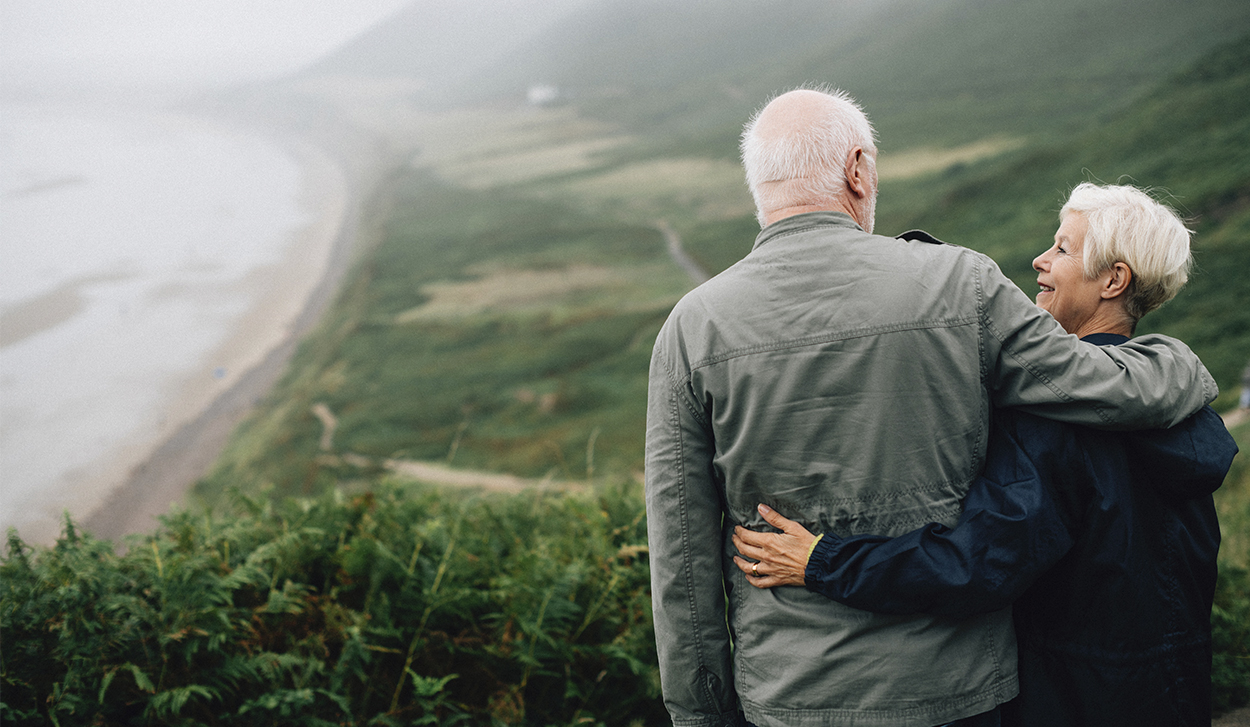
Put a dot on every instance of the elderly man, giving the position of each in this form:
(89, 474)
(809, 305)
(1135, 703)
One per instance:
(845, 380)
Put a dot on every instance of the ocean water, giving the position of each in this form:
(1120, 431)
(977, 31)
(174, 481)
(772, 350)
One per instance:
(132, 244)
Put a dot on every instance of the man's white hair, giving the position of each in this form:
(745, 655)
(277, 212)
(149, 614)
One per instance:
(1127, 225)
(810, 157)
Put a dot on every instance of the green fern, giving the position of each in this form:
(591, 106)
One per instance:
(399, 606)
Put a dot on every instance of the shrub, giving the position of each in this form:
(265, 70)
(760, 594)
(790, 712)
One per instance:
(398, 606)
(1230, 635)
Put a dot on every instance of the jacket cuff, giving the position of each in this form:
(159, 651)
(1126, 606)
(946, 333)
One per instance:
(824, 550)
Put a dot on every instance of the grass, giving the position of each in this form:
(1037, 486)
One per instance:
(514, 328)
(1189, 140)
(1232, 502)
(483, 300)
(1230, 617)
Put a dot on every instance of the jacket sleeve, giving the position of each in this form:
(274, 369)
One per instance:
(684, 538)
(1030, 363)
(1014, 527)
(1188, 460)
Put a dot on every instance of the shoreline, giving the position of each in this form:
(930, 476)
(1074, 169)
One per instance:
(156, 475)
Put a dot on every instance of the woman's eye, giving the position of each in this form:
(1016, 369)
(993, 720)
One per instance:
(1060, 249)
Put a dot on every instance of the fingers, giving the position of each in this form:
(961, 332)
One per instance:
(770, 559)
(774, 518)
(751, 570)
(762, 580)
(751, 543)
(744, 565)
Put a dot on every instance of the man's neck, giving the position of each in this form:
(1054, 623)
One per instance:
(836, 206)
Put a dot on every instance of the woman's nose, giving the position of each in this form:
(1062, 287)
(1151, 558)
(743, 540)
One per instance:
(1039, 261)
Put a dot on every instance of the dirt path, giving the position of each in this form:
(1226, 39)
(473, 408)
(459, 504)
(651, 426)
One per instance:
(434, 473)
(426, 471)
(1236, 718)
(675, 251)
(441, 474)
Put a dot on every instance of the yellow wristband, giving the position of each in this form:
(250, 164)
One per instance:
(813, 545)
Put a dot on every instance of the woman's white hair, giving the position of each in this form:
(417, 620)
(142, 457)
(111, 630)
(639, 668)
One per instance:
(1127, 225)
(804, 165)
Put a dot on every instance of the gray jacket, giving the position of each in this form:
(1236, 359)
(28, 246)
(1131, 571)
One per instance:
(846, 380)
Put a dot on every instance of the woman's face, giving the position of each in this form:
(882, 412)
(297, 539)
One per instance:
(1065, 292)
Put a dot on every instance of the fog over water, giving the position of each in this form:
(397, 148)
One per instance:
(55, 46)
(133, 233)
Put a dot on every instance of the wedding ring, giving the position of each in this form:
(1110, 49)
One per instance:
(755, 569)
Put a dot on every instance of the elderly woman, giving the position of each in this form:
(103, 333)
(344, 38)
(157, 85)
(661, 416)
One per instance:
(1104, 541)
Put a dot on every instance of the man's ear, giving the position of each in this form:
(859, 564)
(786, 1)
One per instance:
(857, 172)
(1116, 280)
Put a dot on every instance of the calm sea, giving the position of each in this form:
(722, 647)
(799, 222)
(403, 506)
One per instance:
(126, 243)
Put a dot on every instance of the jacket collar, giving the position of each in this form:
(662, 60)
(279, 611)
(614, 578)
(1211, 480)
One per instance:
(805, 221)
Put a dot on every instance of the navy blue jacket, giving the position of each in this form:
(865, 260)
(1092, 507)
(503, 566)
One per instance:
(1105, 542)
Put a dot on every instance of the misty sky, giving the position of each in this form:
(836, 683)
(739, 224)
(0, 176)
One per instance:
(85, 43)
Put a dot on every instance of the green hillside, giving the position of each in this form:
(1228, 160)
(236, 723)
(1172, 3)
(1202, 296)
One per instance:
(932, 71)
(505, 321)
(685, 74)
(1189, 139)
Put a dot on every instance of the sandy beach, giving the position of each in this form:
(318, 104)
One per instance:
(152, 476)
(146, 474)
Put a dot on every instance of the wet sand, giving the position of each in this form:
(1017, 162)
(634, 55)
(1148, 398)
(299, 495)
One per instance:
(156, 476)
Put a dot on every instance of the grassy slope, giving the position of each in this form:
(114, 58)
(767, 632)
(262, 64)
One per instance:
(1190, 137)
(523, 385)
(553, 385)
(1036, 68)
(943, 72)
(685, 74)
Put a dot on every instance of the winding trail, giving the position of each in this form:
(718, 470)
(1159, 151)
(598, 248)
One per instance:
(434, 473)
(442, 474)
(675, 251)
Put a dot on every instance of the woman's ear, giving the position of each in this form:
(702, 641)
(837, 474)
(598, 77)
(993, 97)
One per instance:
(1116, 281)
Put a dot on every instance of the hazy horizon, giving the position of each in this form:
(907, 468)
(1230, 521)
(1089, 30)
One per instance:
(52, 47)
